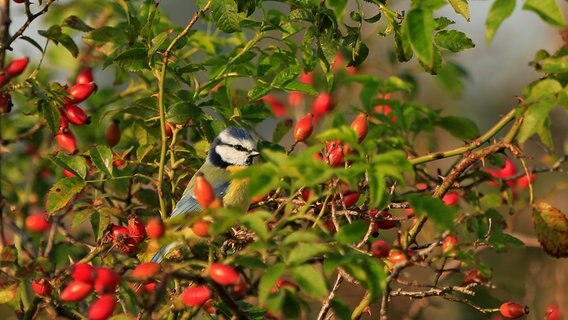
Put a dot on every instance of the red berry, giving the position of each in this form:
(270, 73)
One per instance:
(278, 108)
(384, 220)
(383, 108)
(361, 126)
(524, 181)
(42, 287)
(201, 228)
(474, 276)
(136, 229)
(83, 272)
(5, 102)
(76, 291)
(145, 271)
(19, 1)
(284, 283)
(322, 104)
(380, 249)
(203, 191)
(37, 222)
(149, 287)
(513, 310)
(223, 274)
(195, 296)
(118, 232)
(67, 173)
(350, 198)
(295, 98)
(396, 257)
(307, 77)
(81, 91)
(106, 280)
(451, 198)
(552, 312)
(76, 115)
(112, 133)
(118, 163)
(155, 228)
(16, 67)
(304, 128)
(66, 140)
(63, 124)
(508, 170)
(102, 308)
(209, 306)
(335, 157)
(169, 130)
(449, 243)
(85, 76)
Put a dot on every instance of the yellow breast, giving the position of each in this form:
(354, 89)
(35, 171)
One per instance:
(236, 194)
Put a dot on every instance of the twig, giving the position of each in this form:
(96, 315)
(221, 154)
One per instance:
(31, 17)
(326, 304)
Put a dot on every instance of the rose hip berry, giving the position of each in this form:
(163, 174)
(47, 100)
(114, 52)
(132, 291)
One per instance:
(37, 222)
(223, 274)
(196, 296)
(513, 310)
(304, 128)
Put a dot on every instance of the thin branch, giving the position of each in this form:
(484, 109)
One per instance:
(31, 17)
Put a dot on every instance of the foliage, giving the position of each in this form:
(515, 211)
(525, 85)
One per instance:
(174, 89)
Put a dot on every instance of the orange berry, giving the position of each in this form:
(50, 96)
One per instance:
(304, 128)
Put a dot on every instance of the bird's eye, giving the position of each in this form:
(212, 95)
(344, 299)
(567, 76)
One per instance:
(239, 148)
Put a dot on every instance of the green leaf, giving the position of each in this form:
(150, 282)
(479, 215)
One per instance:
(450, 77)
(453, 40)
(181, 112)
(62, 192)
(300, 87)
(548, 10)
(420, 27)
(107, 34)
(553, 65)
(310, 280)
(75, 164)
(81, 216)
(77, 24)
(283, 77)
(442, 216)
(32, 42)
(55, 34)
(301, 236)
(443, 22)
(8, 293)
(226, 16)
(282, 128)
(551, 227)
(500, 10)
(102, 158)
(50, 113)
(402, 42)
(535, 118)
(460, 127)
(353, 232)
(256, 222)
(133, 60)
(100, 221)
(306, 251)
(460, 7)
(340, 309)
(268, 280)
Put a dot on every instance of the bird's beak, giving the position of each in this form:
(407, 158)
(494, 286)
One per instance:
(254, 153)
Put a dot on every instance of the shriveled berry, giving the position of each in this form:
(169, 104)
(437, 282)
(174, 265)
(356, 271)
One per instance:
(223, 274)
(118, 232)
(42, 287)
(201, 228)
(76, 291)
(384, 220)
(136, 229)
(380, 249)
(81, 91)
(112, 133)
(513, 310)
(203, 191)
(304, 128)
(361, 126)
(155, 228)
(336, 157)
(449, 243)
(106, 280)
(76, 115)
(85, 76)
(102, 308)
(5, 102)
(16, 67)
(83, 272)
(196, 296)
(474, 276)
(145, 271)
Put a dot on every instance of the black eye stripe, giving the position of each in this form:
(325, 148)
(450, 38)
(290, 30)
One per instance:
(237, 147)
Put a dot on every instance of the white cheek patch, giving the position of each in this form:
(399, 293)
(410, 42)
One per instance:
(231, 156)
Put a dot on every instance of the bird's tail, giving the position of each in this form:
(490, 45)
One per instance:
(161, 254)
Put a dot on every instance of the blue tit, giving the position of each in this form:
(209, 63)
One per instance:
(233, 149)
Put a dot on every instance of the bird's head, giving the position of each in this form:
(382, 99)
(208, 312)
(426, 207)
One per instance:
(234, 146)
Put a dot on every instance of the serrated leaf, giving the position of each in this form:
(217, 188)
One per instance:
(133, 60)
(285, 76)
(460, 127)
(548, 10)
(500, 10)
(460, 7)
(442, 216)
(551, 227)
(310, 280)
(259, 91)
(402, 42)
(421, 24)
(75, 164)
(107, 34)
(268, 280)
(352, 232)
(102, 158)
(62, 192)
(535, 118)
(226, 16)
(453, 40)
(553, 65)
(299, 87)
(443, 22)
(305, 251)
(77, 24)
(81, 216)
(181, 112)
(51, 115)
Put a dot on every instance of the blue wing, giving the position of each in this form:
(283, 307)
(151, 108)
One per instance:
(188, 202)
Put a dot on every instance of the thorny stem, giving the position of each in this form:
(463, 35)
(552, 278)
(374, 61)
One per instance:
(161, 105)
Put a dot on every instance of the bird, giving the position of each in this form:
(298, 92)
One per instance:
(233, 149)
